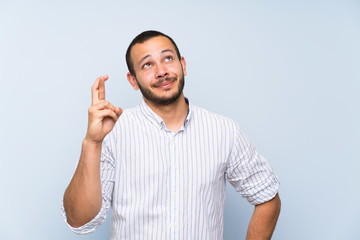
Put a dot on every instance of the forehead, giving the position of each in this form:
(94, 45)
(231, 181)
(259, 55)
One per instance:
(151, 47)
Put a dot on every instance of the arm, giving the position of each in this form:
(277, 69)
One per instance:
(263, 220)
(83, 196)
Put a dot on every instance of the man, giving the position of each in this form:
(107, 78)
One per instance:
(162, 166)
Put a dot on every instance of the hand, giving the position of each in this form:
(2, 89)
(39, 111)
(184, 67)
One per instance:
(102, 114)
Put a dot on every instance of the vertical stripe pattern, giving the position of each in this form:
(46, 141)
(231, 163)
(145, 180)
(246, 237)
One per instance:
(166, 185)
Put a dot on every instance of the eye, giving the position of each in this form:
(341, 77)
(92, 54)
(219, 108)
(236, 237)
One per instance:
(168, 59)
(146, 65)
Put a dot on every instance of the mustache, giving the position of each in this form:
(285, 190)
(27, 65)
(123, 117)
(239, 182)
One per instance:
(162, 80)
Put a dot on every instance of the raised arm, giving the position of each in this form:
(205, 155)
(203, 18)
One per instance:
(83, 198)
(263, 220)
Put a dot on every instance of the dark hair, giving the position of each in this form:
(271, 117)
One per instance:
(141, 38)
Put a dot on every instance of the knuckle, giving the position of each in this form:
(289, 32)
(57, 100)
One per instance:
(91, 109)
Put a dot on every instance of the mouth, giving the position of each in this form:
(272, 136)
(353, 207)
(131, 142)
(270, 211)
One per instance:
(165, 82)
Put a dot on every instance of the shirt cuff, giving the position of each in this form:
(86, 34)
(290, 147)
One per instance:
(90, 226)
(268, 192)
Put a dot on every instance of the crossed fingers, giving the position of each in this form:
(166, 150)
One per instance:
(99, 104)
(98, 89)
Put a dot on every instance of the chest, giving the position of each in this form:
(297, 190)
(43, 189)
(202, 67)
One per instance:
(161, 159)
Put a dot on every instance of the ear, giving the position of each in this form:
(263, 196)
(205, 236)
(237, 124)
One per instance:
(132, 80)
(183, 63)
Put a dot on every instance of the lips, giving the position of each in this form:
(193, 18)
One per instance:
(165, 82)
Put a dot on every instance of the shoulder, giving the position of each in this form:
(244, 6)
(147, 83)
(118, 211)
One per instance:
(129, 115)
(204, 115)
(128, 119)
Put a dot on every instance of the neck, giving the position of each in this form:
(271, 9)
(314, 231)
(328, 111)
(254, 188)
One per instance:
(173, 114)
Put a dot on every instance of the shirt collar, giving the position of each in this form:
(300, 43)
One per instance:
(189, 113)
(156, 119)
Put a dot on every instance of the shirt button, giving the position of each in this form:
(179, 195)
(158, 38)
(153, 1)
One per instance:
(174, 195)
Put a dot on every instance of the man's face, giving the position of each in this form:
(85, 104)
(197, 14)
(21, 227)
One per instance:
(159, 74)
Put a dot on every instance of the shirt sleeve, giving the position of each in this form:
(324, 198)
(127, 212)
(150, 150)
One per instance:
(107, 174)
(249, 172)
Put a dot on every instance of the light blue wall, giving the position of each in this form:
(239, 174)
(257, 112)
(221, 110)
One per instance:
(288, 73)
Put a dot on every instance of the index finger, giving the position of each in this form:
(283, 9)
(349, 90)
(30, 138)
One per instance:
(98, 89)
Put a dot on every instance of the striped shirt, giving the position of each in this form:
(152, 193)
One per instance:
(166, 185)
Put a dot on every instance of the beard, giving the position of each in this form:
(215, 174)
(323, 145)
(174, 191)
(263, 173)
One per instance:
(162, 101)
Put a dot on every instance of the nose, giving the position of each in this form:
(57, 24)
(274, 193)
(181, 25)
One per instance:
(161, 71)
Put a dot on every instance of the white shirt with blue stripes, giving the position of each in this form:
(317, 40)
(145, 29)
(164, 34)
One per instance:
(166, 185)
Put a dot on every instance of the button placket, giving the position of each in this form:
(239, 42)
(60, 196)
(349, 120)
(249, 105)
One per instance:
(174, 188)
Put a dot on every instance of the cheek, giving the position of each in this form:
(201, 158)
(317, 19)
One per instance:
(146, 77)
(175, 69)
(149, 76)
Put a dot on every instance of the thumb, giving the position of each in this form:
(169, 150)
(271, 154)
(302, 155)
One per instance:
(118, 111)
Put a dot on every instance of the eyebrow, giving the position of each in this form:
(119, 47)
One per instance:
(147, 56)
(167, 50)
(142, 59)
